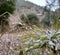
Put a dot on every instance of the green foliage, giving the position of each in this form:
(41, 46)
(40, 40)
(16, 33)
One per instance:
(4, 23)
(30, 19)
(41, 39)
(48, 18)
(46, 21)
(23, 18)
(6, 7)
(56, 20)
(51, 19)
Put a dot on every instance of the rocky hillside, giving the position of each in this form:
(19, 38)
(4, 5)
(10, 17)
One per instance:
(25, 7)
(26, 4)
